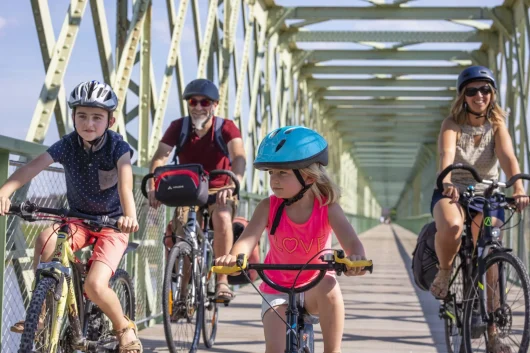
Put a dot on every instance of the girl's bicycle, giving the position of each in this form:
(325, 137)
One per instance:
(300, 337)
(60, 318)
(489, 291)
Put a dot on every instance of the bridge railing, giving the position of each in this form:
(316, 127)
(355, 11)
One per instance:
(146, 265)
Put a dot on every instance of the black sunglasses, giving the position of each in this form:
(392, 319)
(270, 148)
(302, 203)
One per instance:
(204, 102)
(472, 91)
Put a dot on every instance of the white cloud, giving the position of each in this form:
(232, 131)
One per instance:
(3, 23)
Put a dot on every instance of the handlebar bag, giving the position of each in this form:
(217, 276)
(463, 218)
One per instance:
(181, 185)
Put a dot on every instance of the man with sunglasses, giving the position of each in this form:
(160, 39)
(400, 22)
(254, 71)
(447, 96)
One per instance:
(202, 147)
(475, 134)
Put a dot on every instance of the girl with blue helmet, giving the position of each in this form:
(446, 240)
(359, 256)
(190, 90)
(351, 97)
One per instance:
(299, 218)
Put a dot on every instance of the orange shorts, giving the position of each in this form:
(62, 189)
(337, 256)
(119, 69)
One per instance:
(108, 248)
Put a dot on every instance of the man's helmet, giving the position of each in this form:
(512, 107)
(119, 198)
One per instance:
(201, 87)
(93, 94)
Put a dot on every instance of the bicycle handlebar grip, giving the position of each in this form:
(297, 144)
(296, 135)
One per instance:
(516, 177)
(367, 264)
(450, 168)
(227, 270)
(144, 183)
(231, 175)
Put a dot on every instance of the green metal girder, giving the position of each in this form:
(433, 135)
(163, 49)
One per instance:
(383, 110)
(391, 139)
(390, 54)
(381, 82)
(385, 93)
(386, 13)
(390, 117)
(385, 36)
(410, 103)
(380, 70)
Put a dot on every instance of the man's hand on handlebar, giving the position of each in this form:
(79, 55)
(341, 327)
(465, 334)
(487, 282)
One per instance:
(127, 224)
(153, 202)
(356, 271)
(451, 191)
(223, 195)
(5, 203)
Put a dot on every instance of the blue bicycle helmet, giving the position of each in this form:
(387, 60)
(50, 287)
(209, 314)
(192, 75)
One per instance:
(291, 147)
(475, 73)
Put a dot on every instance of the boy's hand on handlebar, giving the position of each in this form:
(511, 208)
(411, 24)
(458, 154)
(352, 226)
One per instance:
(521, 200)
(451, 191)
(5, 203)
(128, 224)
(223, 195)
(355, 271)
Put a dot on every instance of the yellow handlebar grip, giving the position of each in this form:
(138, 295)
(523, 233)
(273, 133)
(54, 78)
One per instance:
(367, 264)
(227, 270)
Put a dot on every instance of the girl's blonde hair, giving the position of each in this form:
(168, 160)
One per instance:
(324, 189)
(496, 115)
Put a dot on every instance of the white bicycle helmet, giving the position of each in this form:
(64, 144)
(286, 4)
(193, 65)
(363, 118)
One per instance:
(93, 94)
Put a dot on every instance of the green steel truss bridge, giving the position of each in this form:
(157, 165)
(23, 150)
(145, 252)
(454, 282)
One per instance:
(375, 77)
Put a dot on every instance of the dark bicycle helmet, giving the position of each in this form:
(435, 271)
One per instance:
(291, 147)
(201, 87)
(475, 73)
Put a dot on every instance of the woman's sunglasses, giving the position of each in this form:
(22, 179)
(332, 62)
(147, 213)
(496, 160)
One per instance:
(472, 91)
(205, 103)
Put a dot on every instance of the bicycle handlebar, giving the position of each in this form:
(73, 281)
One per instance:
(474, 173)
(26, 210)
(332, 264)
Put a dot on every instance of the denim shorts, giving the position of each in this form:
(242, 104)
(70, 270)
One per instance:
(477, 208)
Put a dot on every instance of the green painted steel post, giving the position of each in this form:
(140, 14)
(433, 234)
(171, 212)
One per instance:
(4, 174)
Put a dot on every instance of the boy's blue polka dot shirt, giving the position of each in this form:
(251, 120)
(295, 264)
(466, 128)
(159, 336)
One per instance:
(91, 177)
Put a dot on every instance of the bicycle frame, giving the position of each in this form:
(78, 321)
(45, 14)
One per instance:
(59, 269)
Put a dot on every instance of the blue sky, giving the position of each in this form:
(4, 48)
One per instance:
(22, 71)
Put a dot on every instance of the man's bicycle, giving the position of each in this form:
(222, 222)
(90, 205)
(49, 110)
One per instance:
(188, 303)
(60, 318)
(477, 309)
(300, 337)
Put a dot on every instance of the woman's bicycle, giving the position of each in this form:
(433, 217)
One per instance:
(299, 337)
(60, 318)
(477, 309)
(189, 305)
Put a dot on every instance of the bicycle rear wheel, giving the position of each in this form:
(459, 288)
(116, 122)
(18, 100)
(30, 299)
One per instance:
(99, 326)
(181, 308)
(452, 309)
(509, 313)
(40, 317)
(211, 310)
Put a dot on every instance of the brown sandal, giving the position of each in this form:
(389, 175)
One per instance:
(440, 285)
(132, 346)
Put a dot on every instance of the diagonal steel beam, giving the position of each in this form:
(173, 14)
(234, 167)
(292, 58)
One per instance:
(383, 70)
(387, 102)
(383, 82)
(55, 72)
(208, 35)
(389, 54)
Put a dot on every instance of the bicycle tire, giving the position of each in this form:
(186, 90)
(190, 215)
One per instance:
(210, 317)
(176, 310)
(453, 333)
(99, 326)
(42, 294)
(472, 294)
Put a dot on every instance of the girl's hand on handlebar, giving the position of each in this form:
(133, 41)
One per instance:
(226, 260)
(451, 191)
(355, 271)
(521, 200)
(127, 224)
(5, 203)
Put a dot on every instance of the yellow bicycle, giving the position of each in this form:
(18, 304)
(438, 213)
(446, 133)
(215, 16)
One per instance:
(60, 318)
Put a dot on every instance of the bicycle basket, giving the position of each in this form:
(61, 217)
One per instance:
(181, 185)
(424, 260)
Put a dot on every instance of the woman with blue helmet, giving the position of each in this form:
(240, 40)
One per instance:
(475, 134)
(299, 218)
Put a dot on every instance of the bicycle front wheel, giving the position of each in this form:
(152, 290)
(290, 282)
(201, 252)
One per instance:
(210, 316)
(508, 307)
(41, 317)
(181, 308)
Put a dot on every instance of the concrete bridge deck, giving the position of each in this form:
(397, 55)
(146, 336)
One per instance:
(385, 312)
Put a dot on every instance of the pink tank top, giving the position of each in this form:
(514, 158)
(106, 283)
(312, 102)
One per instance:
(295, 243)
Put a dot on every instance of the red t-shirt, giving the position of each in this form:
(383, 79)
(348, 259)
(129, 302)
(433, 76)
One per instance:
(204, 150)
